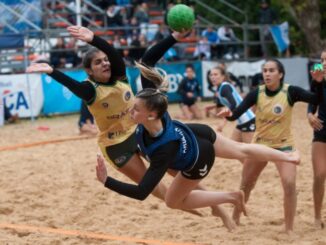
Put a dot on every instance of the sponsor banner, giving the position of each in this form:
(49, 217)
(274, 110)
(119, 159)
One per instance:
(174, 73)
(58, 98)
(22, 94)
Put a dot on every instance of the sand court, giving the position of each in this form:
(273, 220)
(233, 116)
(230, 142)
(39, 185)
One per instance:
(49, 195)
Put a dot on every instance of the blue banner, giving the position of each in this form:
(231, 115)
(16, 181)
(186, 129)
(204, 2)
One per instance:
(60, 100)
(174, 72)
(57, 98)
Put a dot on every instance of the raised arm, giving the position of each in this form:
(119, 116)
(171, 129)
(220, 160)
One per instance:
(118, 67)
(83, 90)
(156, 52)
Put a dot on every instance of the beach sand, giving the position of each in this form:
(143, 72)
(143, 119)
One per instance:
(49, 195)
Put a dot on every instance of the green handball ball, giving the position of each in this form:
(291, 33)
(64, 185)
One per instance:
(180, 17)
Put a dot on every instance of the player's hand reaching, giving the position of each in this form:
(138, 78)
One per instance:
(81, 33)
(101, 171)
(39, 68)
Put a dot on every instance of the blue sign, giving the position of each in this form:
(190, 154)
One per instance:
(57, 98)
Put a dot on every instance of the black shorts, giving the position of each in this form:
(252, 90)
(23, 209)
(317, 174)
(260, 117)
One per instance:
(249, 126)
(320, 136)
(206, 137)
(188, 102)
(121, 153)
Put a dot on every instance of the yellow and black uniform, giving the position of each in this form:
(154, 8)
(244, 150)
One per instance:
(110, 102)
(274, 113)
(273, 119)
(111, 107)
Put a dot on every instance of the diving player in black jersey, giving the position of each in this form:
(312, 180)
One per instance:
(189, 149)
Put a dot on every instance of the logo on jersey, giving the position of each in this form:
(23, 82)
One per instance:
(105, 105)
(278, 109)
(120, 160)
(127, 96)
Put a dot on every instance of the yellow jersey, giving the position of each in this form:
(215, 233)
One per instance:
(273, 119)
(111, 111)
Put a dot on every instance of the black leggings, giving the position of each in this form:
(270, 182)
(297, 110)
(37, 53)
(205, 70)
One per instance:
(206, 137)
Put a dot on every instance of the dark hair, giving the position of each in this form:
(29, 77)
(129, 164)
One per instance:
(89, 56)
(155, 100)
(190, 66)
(280, 67)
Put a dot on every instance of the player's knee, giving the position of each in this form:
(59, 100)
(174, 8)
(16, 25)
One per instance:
(289, 187)
(171, 203)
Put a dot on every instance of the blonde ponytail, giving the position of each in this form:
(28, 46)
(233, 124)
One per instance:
(151, 74)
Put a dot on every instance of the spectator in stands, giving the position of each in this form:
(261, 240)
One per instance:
(132, 28)
(127, 58)
(116, 42)
(113, 16)
(58, 54)
(190, 90)
(170, 5)
(226, 35)
(213, 40)
(141, 13)
(203, 49)
(267, 16)
(160, 34)
(138, 46)
(71, 54)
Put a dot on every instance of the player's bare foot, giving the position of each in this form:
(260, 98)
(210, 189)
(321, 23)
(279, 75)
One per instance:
(227, 221)
(239, 206)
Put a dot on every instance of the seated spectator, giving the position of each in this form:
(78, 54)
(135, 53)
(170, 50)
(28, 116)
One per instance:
(203, 49)
(213, 40)
(138, 46)
(160, 34)
(226, 35)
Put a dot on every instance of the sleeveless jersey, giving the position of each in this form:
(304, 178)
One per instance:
(111, 111)
(245, 117)
(173, 131)
(273, 119)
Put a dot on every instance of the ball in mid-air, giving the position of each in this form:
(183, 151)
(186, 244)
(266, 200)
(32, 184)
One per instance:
(180, 17)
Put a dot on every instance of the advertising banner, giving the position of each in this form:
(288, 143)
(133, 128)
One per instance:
(22, 94)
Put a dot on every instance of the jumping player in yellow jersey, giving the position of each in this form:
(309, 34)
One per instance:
(109, 98)
(274, 101)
